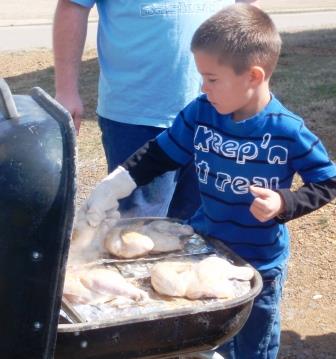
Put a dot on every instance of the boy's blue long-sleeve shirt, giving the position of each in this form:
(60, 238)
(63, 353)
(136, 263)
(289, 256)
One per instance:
(265, 150)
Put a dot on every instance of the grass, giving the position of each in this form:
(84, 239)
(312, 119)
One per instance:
(305, 80)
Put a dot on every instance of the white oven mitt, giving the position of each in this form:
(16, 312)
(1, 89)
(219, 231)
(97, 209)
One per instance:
(99, 213)
(104, 197)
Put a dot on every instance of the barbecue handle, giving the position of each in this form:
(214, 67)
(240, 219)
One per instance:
(7, 104)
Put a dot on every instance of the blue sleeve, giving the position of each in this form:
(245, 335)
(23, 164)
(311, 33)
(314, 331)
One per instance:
(178, 141)
(310, 158)
(84, 3)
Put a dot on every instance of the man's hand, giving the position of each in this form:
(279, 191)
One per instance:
(267, 203)
(73, 103)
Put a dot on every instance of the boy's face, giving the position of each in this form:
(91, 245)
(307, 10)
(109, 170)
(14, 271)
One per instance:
(227, 91)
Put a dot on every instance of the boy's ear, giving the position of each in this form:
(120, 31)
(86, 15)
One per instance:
(257, 75)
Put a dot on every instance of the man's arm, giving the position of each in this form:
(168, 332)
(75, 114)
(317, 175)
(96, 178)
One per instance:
(69, 34)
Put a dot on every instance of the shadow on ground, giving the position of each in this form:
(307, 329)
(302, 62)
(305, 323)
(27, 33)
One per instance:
(293, 346)
(21, 84)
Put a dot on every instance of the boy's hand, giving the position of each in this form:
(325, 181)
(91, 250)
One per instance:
(99, 213)
(267, 203)
(104, 197)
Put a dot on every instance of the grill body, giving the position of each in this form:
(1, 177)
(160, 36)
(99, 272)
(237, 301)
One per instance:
(37, 182)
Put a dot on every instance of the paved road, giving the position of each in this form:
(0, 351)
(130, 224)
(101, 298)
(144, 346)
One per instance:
(28, 37)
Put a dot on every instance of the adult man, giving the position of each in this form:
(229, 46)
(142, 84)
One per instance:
(145, 71)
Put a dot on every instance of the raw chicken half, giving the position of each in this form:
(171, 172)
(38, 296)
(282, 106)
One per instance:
(99, 285)
(137, 241)
(125, 243)
(210, 278)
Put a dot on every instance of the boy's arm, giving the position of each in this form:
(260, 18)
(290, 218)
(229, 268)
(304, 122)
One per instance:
(148, 162)
(139, 169)
(99, 213)
(306, 199)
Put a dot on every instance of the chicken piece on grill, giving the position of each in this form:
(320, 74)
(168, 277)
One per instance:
(77, 293)
(173, 278)
(209, 278)
(109, 282)
(125, 243)
(99, 285)
(214, 278)
(139, 240)
(166, 235)
(222, 268)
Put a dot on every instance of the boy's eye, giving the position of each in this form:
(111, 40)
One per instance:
(212, 80)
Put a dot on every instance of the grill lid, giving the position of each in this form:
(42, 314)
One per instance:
(37, 182)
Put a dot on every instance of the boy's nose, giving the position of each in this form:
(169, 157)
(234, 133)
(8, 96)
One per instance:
(204, 88)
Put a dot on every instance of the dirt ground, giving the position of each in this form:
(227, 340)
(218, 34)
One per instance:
(305, 81)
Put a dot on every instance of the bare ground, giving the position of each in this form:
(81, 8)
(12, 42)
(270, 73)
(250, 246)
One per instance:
(305, 81)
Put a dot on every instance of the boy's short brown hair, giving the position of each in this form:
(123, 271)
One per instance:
(241, 36)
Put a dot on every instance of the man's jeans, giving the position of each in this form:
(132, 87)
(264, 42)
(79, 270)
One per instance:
(260, 336)
(122, 140)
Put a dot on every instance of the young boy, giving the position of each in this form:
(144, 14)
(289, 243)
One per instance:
(247, 147)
